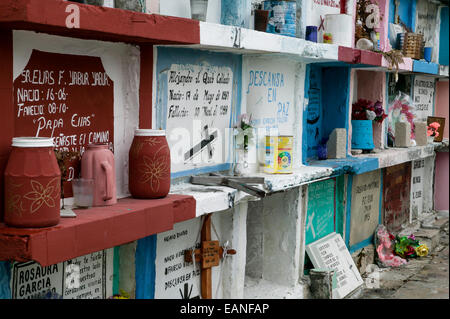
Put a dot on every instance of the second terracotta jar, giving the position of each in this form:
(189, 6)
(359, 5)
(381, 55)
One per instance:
(149, 164)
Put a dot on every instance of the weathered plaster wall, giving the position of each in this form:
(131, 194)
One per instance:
(427, 23)
(182, 8)
(121, 62)
(274, 235)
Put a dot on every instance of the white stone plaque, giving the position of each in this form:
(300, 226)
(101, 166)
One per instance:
(198, 115)
(85, 277)
(330, 252)
(417, 177)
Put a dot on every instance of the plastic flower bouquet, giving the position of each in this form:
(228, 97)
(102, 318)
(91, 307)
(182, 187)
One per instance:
(432, 130)
(368, 110)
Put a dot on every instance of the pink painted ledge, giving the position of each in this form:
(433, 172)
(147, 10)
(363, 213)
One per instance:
(95, 229)
(357, 56)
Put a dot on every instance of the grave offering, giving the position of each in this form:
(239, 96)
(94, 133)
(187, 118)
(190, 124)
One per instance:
(402, 134)
(436, 128)
(278, 154)
(330, 252)
(149, 164)
(420, 132)
(364, 112)
(336, 145)
(97, 163)
(32, 192)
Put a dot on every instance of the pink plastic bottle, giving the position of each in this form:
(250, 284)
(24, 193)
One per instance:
(97, 163)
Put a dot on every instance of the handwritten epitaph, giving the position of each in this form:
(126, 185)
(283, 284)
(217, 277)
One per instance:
(417, 178)
(330, 252)
(314, 112)
(365, 205)
(175, 278)
(320, 220)
(30, 280)
(67, 97)
(198, 101)
(423, 97)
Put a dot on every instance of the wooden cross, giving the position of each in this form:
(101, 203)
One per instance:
(209, 255)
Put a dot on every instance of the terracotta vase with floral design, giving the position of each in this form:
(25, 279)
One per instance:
(32, 184)
(149, 164)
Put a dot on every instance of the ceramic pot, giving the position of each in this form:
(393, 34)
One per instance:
(362, 135)
(32, 184)
(149, 164)
(97, 163)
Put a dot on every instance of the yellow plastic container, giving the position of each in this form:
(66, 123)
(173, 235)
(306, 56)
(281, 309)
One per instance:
(278, 155)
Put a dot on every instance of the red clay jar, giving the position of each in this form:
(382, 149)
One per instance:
(149, 164)
(32, 184)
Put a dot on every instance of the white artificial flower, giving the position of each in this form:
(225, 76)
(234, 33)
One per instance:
(371, 115)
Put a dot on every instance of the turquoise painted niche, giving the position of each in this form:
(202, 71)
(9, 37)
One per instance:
(320, 217)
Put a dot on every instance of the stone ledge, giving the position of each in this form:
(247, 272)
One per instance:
(394, 156)
(95, 229)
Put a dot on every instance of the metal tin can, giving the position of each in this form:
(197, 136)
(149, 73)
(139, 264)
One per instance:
(278, 154)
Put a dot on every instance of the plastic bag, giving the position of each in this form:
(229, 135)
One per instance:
(384, 246)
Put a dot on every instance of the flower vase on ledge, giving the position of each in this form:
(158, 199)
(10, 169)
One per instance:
(241, 166)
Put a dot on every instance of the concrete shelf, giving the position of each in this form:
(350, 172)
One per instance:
(95, 229)
(394, 156)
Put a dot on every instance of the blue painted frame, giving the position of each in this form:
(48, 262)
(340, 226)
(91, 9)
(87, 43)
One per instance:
(443, 37)
(407, 13)
(5, 278)
(165, 58)
(145, 268)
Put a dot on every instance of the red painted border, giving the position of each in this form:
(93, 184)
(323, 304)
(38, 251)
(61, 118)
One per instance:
(100, 23)
(95, 229)
(145, 87)
(7, 106)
